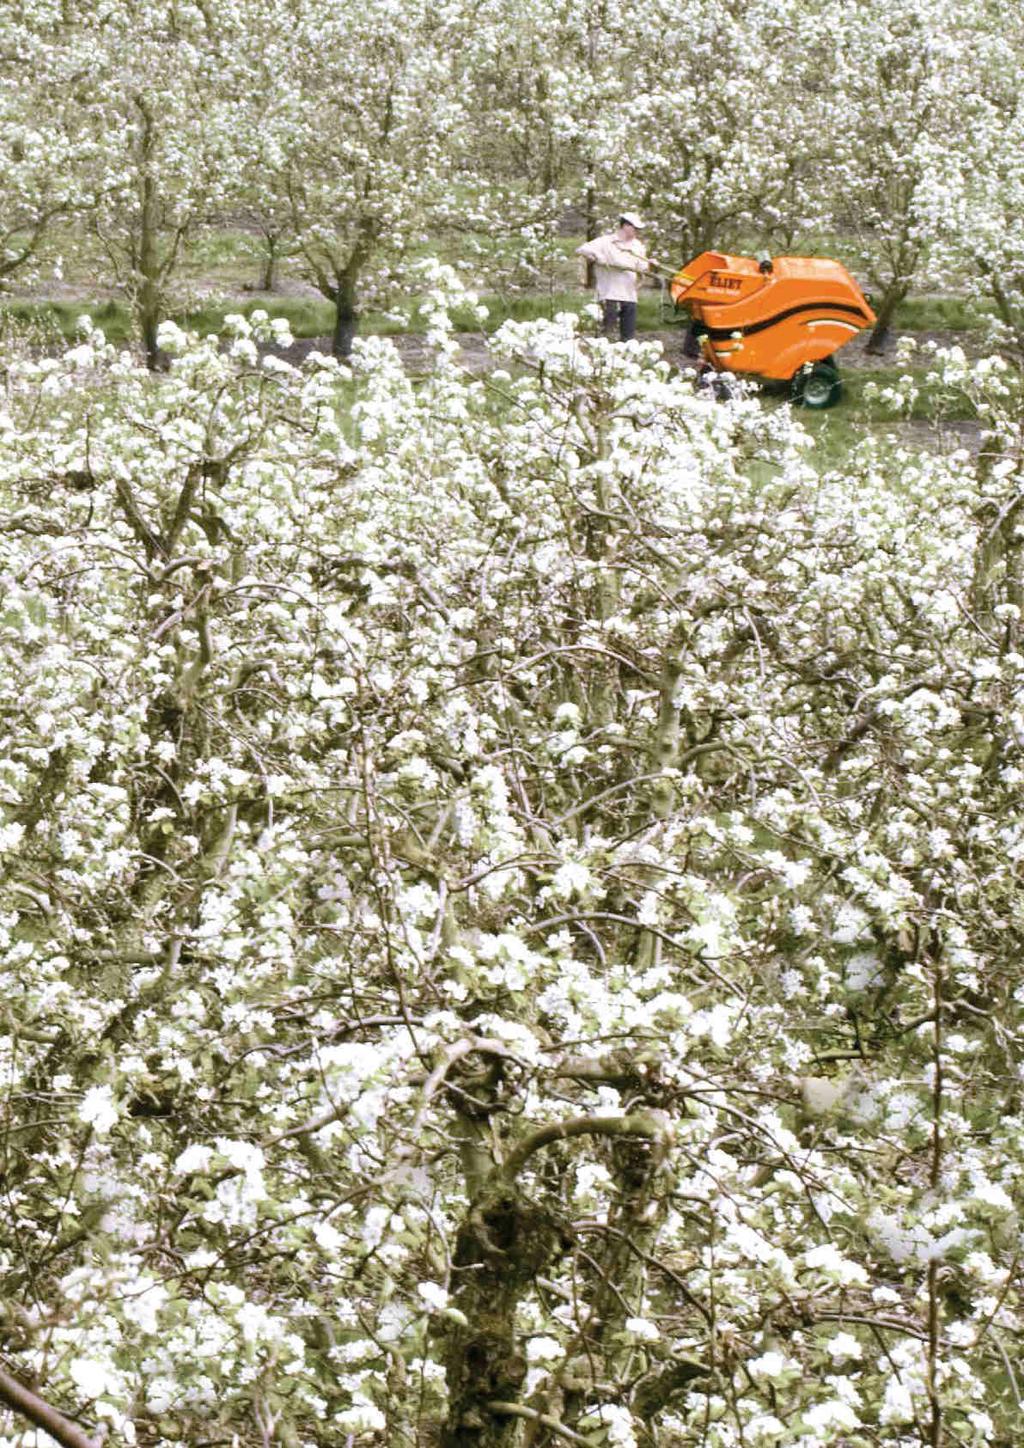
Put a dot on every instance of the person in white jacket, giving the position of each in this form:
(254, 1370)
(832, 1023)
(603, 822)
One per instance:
(620, 260)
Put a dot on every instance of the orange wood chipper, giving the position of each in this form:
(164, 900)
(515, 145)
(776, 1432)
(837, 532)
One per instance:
(782, 319)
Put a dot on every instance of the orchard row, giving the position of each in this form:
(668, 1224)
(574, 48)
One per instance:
(346, 136)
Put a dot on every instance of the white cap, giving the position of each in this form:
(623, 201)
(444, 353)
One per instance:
(631, 219)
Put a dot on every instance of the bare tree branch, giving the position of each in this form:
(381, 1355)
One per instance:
(31, 1406)
(642, 1124)
(553, 1425)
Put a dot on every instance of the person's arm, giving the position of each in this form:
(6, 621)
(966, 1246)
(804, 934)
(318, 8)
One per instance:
(624, 258)
(590, 250)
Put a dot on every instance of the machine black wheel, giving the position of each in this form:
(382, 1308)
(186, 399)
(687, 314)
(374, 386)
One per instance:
(818, 388)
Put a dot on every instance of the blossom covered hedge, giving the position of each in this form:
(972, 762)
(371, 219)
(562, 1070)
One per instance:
(511, 911)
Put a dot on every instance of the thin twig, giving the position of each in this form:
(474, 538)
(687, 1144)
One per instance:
(553, 1425)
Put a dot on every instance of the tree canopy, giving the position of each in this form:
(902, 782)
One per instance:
(511, 913)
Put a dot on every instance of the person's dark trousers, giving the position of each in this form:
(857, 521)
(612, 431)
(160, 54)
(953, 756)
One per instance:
(623, 314)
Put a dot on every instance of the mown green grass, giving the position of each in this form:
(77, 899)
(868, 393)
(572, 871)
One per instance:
(307, 316)
(932, 400)
(838, 430)
(940, 314)
(54, 320)
(310, 316)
